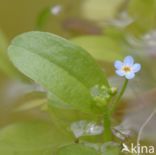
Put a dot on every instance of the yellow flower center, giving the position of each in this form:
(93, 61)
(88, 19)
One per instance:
(126, 69)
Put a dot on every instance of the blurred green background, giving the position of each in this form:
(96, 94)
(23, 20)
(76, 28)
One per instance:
(108, 30)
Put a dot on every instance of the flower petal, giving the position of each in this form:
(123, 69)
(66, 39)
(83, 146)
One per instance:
(118, 64)
(120, 72)
(136, 68)
(129, 60)
(130, 75)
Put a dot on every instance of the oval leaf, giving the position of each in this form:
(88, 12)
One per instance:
(67, 71)
(31, 138)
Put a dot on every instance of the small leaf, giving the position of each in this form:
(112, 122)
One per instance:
(43, 18)
(31, 104)
(31, 138)
(67, 71)
(77, 149)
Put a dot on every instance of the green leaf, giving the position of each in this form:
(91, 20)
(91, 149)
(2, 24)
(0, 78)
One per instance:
(112, 150)
(31, 104)
(76, 149)
(67, 71)
(102, 48)
(31, 138)
(63, 118)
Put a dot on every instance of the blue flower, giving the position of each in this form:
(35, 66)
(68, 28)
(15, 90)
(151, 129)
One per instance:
(127, 68)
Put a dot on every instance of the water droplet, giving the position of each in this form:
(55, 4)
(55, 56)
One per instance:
(121, 132)
(78, 128)
(55, 10)
(93, 129)
(123, 20)
(150, 39)
(83, 127)
(147, 44)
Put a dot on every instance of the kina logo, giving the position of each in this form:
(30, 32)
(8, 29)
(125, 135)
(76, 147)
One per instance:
(138, 149)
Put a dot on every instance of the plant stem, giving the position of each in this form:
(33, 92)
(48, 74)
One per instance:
(108, 112)
(107, 125)
(117, 101)
(42, 18)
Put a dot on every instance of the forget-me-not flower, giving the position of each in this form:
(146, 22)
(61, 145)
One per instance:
(127, 68)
